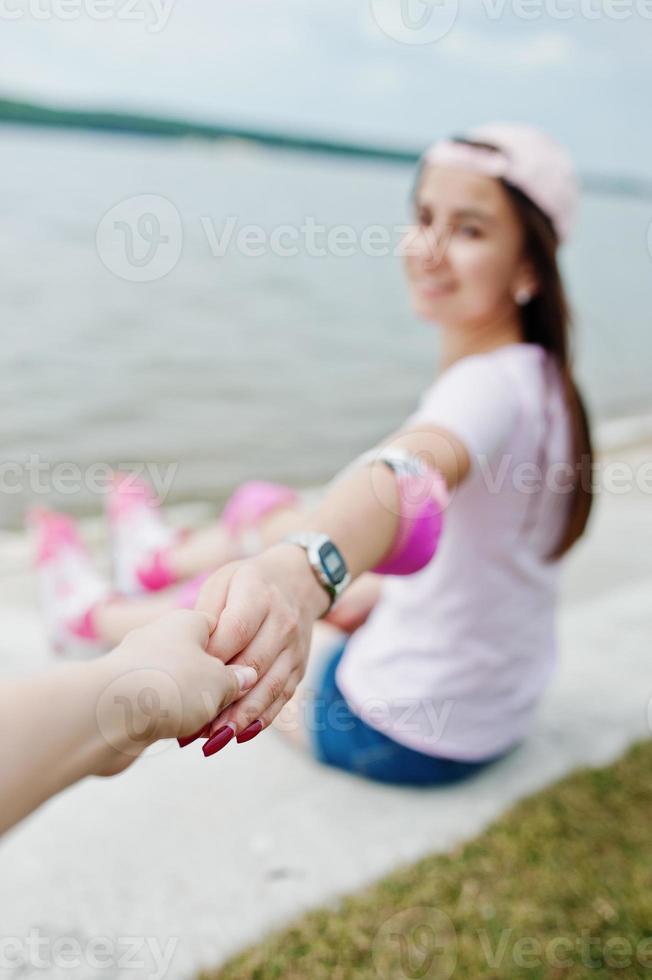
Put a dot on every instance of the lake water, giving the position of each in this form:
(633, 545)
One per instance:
(232, 366)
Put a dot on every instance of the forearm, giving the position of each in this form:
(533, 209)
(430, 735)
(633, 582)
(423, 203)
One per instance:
(369, 507)
(382, 513)
(279, 589)
(360, 513)
(50, 736)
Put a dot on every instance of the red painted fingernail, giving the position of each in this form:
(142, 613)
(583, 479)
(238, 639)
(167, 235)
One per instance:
(221, 738)
(189, 739)
(255, 728)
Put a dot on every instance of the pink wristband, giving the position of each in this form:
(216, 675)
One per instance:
(423, 497)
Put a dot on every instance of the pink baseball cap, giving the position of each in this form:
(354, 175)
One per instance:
(525, 157)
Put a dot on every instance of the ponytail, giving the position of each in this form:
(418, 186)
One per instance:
(546, 320)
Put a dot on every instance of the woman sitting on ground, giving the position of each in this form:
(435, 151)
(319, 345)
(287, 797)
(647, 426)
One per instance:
(462, 515)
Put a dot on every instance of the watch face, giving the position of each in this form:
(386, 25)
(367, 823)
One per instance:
(333, 563)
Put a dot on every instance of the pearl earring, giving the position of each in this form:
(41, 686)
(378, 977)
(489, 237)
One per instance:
(522, 295)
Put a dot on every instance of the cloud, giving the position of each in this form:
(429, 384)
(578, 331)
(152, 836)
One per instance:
(325, 66)
(379, 78)
(541, 50)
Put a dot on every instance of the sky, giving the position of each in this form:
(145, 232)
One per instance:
(397, 72)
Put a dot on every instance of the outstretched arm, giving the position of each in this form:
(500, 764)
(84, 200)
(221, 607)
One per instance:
(266, 606)
(96, 718)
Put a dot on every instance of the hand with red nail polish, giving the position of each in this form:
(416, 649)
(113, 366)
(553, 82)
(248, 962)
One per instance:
(218, 740)
(97, 717)
(224, 735)
(189, 739)
(172, 688)
(255, 728)
(265, 608)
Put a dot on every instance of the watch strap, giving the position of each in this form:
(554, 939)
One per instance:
(312, 542)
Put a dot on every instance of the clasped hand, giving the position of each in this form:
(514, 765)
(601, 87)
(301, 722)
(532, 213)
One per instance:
(265, 609)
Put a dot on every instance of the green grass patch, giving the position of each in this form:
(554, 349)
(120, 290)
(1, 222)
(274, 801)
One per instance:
(559, 887)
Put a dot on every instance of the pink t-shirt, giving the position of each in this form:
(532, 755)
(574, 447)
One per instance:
(453, 659)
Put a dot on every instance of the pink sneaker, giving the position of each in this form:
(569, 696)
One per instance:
(69, 586)
(140, 538)
(247, 506)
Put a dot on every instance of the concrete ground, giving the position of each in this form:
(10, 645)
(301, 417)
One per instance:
(180, 861)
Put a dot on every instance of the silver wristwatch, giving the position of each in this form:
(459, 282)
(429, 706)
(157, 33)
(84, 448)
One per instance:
(325, 560)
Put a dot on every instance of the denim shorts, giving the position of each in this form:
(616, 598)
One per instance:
(342, 739)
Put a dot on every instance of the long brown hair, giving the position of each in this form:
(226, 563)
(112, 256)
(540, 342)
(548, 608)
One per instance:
(546, 320)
